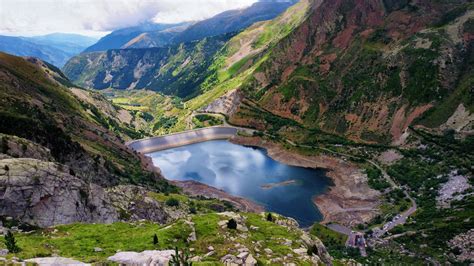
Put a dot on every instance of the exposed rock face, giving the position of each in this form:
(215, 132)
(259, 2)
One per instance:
(134, 204)
(45, 194)
(465, 245)
(17, 147)
(227, 104)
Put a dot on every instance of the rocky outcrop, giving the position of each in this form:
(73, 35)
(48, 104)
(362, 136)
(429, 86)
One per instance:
(16, 147)
(226, 104)
(133, 203)
(46, 193)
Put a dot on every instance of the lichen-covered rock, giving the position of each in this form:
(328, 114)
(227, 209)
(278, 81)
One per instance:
(134, 203)
(45, 194)
(145, 258)
(16, 147)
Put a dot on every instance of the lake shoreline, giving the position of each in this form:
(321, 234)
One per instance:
(348, 201)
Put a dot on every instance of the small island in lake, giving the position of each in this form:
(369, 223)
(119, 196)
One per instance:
(279, 184)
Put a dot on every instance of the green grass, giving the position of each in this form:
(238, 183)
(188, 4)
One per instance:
(79, 240)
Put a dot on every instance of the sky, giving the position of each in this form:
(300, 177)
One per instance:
(99, 17)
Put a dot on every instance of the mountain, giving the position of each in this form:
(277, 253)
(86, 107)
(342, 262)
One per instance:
(170, 71)
(176, 69)
(70, 43)
(56, 48)
(369, 70)
(158, 35)
(233, 20)
(21, 47)
(38, 106)
(121, 38)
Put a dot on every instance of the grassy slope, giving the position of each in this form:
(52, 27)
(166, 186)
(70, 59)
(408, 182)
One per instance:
(79, 240)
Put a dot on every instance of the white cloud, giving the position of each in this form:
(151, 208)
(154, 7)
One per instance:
(33, 17)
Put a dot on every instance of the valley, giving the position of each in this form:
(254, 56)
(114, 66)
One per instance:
(307, 132)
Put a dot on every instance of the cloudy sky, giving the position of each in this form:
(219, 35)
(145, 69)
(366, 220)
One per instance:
(97, 17)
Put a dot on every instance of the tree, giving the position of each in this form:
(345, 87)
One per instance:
(270, 217)
(180, 258)
(232, 224)
(155, 240)
(10, 242)
(172, 202)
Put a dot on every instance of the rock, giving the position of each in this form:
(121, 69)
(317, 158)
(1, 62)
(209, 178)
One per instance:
(254, 228)
(45, 194)
(268, 251)
(300, 251)
(222, 223)
(55, 261)
(192, 237)
(130, 258)
(96, 249)
(288, 242)
(229, 258)
(3, 252)
(195, 259)
(148, 257)
(242, 228)
(242, 255)
(210, 253)
(250, 260)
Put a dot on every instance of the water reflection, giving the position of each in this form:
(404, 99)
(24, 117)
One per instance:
(242, 171)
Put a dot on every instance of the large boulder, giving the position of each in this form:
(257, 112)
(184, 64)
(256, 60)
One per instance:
(145, 258)
(55, 261)
(46, 194)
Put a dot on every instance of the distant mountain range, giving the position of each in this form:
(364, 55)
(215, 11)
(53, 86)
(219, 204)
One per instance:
(119, 38)
(56, 48)
(159, 35)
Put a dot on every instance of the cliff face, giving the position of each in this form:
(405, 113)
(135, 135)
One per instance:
(369, 69)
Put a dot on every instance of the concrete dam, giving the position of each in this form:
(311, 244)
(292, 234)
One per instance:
(182, 138)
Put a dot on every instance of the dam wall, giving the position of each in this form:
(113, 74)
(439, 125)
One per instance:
(182, 138)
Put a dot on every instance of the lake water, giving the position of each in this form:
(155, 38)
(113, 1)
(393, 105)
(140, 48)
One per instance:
(242, 171)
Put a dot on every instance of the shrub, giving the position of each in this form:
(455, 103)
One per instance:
(172, 202)
(155, 240)
(10, 242)
(270, 217)
(232, 224)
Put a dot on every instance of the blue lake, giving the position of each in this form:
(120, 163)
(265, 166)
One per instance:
(242, 171)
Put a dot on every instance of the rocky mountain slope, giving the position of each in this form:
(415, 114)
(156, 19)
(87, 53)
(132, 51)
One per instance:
(176, 70)
(368, 70)
(59, 151)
